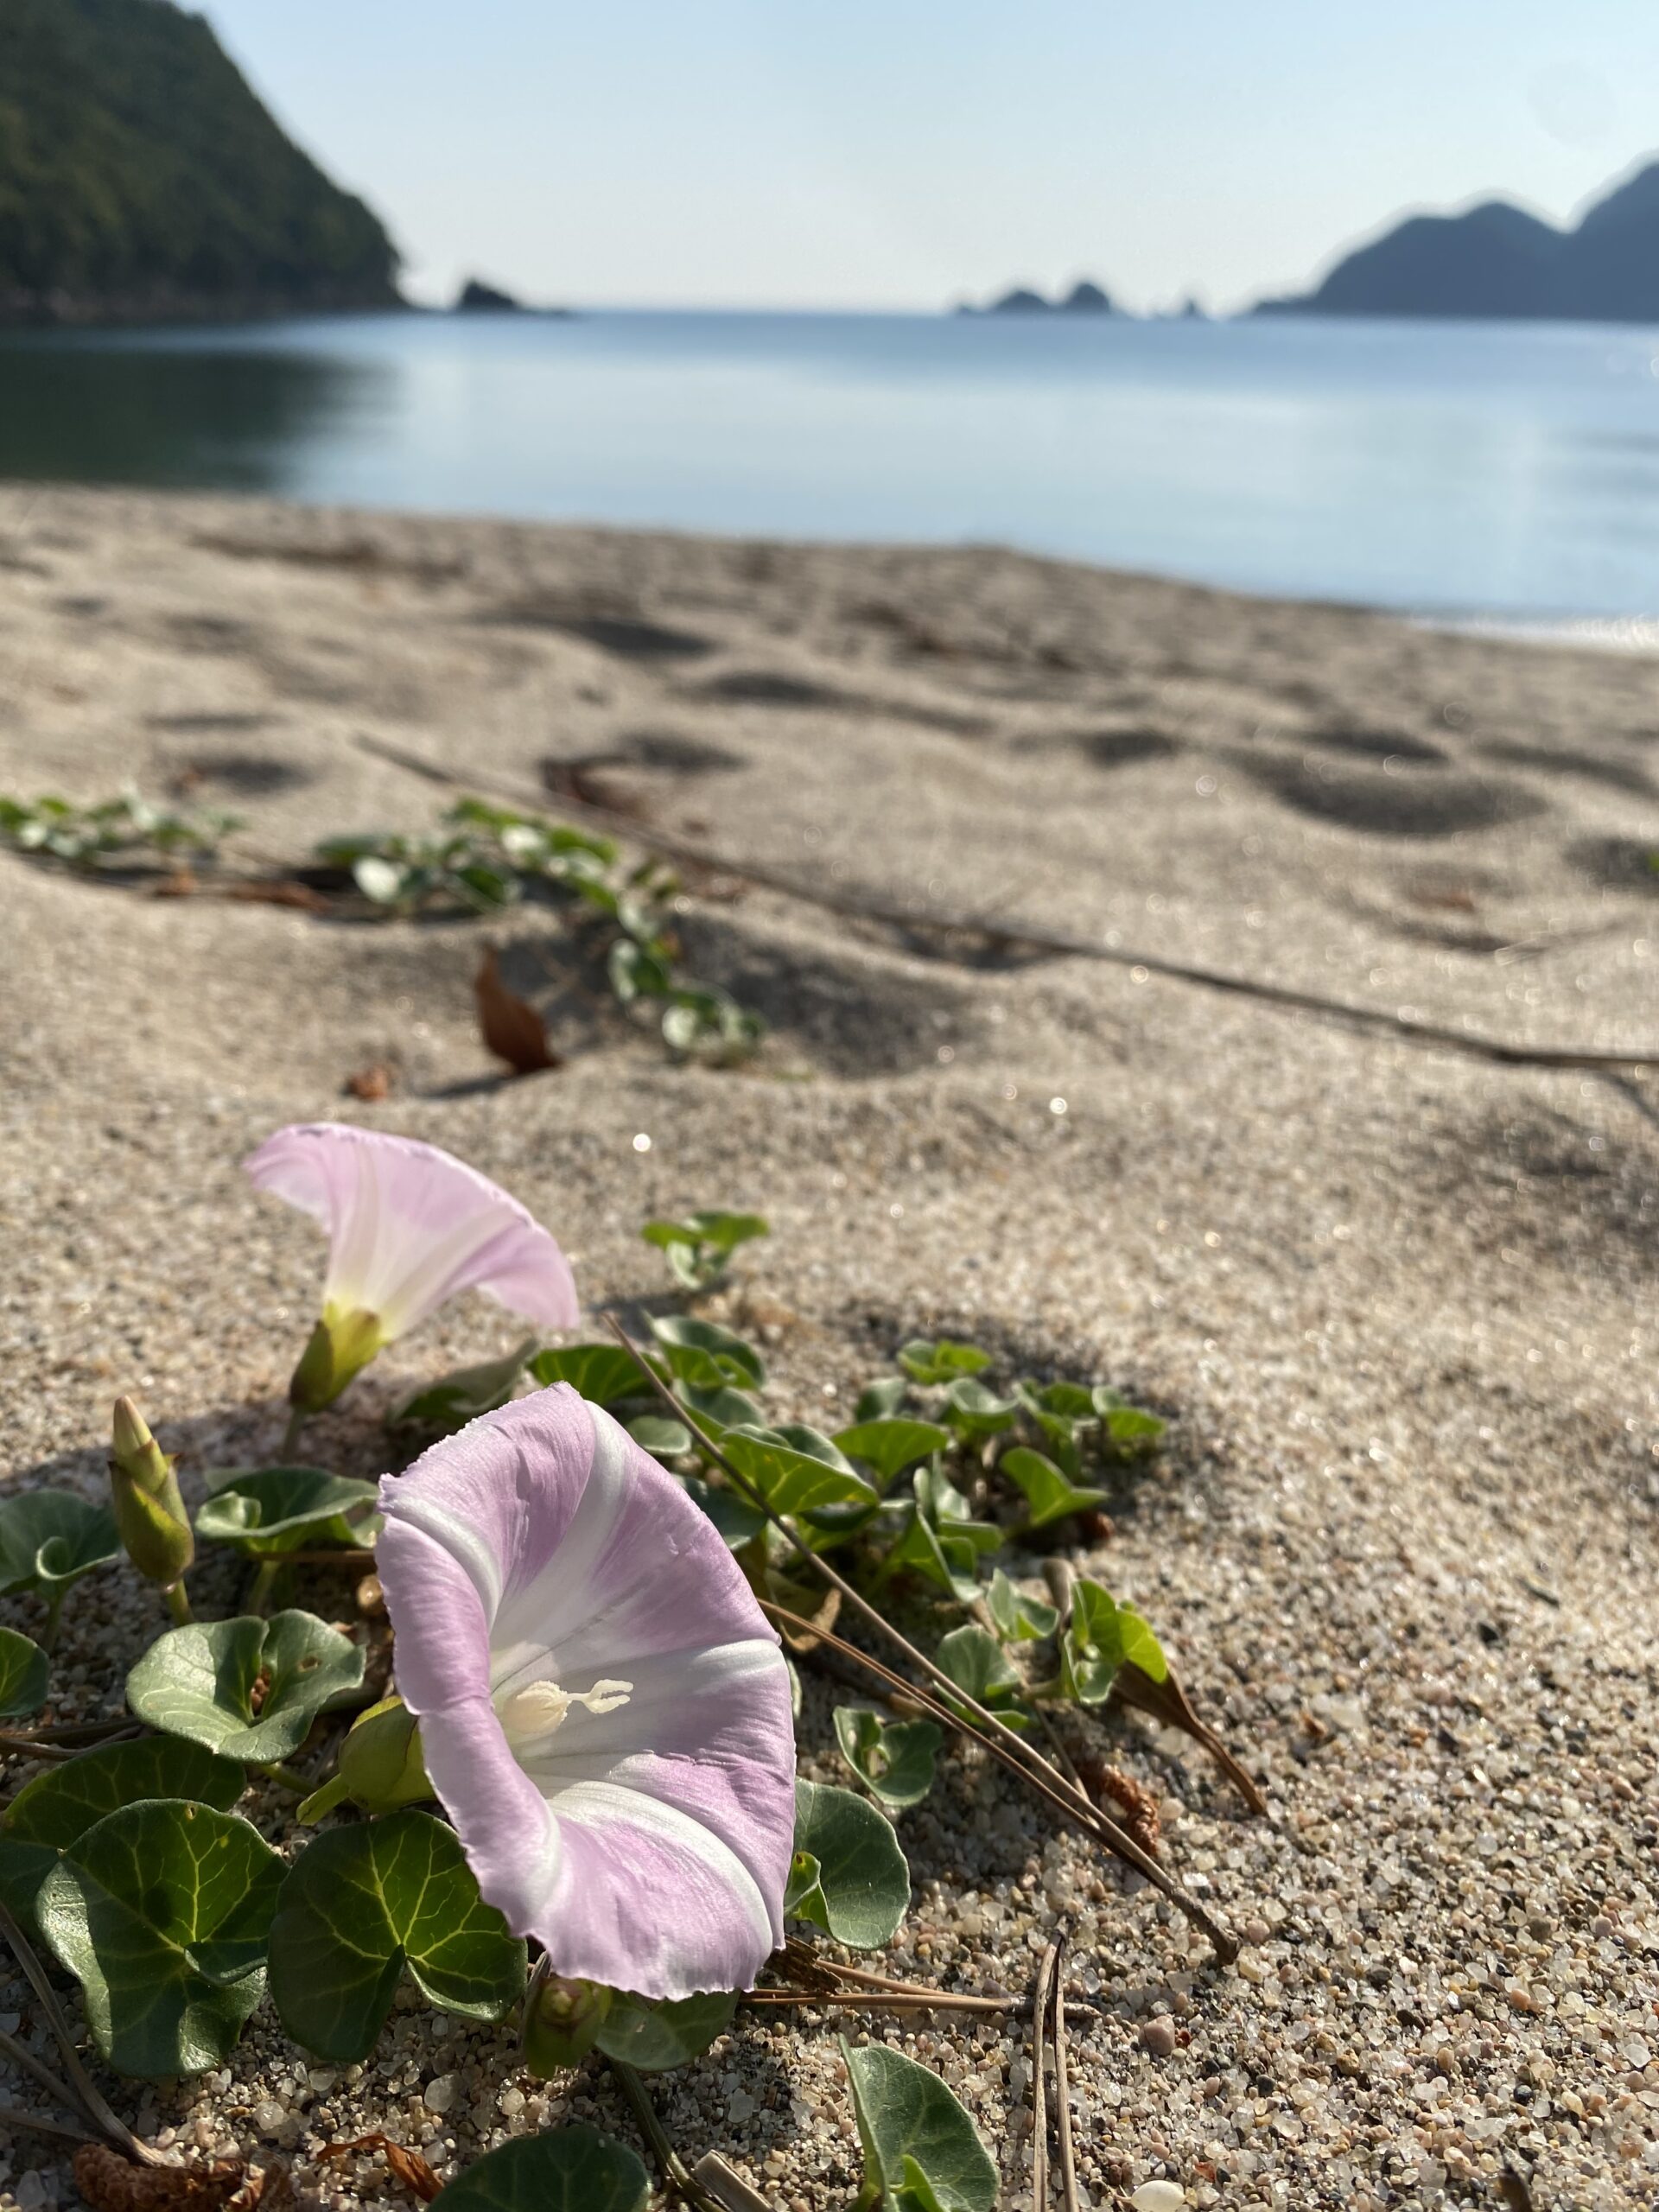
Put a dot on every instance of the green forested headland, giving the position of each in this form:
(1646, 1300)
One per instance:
(141, 176)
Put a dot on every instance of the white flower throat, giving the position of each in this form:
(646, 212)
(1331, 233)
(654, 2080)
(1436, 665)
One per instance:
(538, 1709)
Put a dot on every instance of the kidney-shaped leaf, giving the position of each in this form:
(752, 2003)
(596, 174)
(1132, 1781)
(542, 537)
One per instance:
(1104, 1636)
(50, 1538)
(1048, 1493)
(270, 1510)
(25, 1674)
(850, 1876)
(655, 2036)
(927, 1362)
(892, 1758)
(921, 2149)
(247, 1687)
(976, 1662)
(600, 1373)
(891, 1445)
(360, 1905)
(702, 1353)
(796, 1470)
(571, 2170)
(53, 1812)
(441, 1408)
(162, 1912)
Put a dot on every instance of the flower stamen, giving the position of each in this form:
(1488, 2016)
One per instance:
(538, 1709)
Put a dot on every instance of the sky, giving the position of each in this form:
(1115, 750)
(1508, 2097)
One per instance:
(906, 154)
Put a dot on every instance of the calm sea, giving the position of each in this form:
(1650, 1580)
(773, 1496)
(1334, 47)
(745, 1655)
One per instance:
(1476, 472)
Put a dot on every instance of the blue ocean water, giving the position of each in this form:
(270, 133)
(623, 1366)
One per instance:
(1507, 473)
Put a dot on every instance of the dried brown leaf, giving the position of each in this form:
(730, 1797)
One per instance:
(1168, 1702)
(369, 1084)
(1512, 2188)
(510, 1025)
(1133, 1799)
(110, 2183)
(407, 2166)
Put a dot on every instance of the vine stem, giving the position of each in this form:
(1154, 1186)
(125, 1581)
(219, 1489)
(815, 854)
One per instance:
(1089, 1818)
(289, 1777)
(88, 2097)
(675, 2171)
(1018, 1756)
(15, 2116)
(264, 1581)
(178, 1604)
(1003, 2005)
(1047, 1974)
(291, 1434)
(29, 1747)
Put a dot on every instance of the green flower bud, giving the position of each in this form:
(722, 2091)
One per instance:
(379, 1765)
(562, 2021)
(341, 1346)
(149, 1511)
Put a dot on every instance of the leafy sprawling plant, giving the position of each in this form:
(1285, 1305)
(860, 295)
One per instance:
(129, 1861)
(484, 858)
(112, 833)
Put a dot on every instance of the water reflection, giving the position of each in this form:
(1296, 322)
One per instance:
(224, 418)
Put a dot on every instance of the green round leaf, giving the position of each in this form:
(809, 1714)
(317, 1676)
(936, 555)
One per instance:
(50, 1538)
(796, 1470)
(600, 1373)
(200, 1681)
(1103, 1636)
(56, 1808)
(360, 1905)
(976, 1662)
(441, 1408)
(162, 1912)
(572, 2170)
(850, 1876)
(702, 1353)
(271, 1510)
(738, 1522)
(894, 1759)
(890, 1445)
(655, 2036)
(976, 1411)
(656, 1433)
(25, 1675)
(926, 1361)
(1019, 1619)
(920, 2146)
(1127, 1427)
(880, 1400)
(1048, 1493)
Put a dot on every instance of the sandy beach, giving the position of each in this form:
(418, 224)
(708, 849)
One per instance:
(1399, 1304)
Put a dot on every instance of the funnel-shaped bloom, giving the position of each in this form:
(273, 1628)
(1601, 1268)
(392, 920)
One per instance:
(408, 1226)
(604, 1711)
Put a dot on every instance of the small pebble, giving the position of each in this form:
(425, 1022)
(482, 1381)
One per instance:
(1158, 2036)
(440, 2093)
(1158, 2196)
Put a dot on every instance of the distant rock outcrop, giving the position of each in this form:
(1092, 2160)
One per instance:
(1496, 261)
(476, 298)
(142, 179)
(1083, 298)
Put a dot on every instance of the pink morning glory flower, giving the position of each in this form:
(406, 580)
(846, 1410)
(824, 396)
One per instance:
(408, 1226)
(605, 1713)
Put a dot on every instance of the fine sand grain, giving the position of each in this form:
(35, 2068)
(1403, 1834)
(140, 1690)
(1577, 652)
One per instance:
(1399, 1306)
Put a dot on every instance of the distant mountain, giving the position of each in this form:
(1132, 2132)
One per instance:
(1498, 261)
(1083, 298)
(141, 178)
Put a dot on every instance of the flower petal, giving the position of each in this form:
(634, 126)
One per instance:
(647, 1845)
(410, 1226)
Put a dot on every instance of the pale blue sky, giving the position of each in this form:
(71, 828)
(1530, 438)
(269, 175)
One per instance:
(905, 153)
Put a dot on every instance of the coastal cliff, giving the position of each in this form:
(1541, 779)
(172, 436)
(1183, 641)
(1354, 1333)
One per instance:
(142, 179)
(1497, 261)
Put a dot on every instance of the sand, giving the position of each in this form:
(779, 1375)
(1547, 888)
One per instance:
(1399, 1305)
